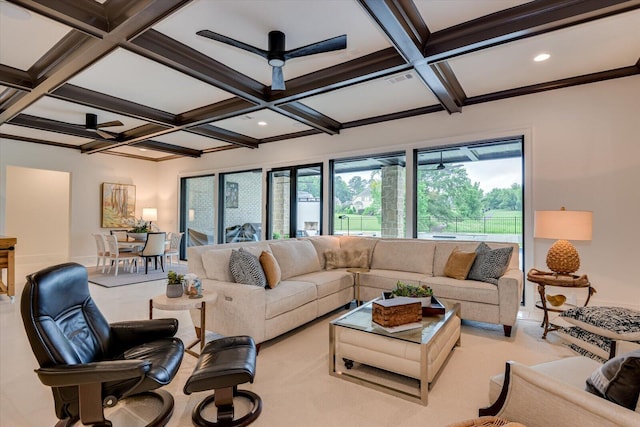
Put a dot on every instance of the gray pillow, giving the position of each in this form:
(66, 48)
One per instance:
(490, 264)
(618, 380)
(246, 269)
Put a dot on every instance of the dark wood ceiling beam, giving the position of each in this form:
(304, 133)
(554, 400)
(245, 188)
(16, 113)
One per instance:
(219, 111)
(8, 96)
(359, 70)
(309, 117)
(15, 78)
(556, 84)
(33, 122)
(526, 20)
(92, 49)
(58, 54)
(224, 135)
(406, 30)
(165, 50)
(37, 141)
(83, 96)
(168, 148)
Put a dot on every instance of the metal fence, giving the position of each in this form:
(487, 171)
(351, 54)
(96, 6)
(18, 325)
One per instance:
(484, 225)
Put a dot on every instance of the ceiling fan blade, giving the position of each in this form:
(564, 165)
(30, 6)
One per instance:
(105, 134)
(277, 79)
(232, 42)
(336, 43)
(110, 124)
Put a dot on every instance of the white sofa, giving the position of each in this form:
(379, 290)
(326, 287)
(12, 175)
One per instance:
(553, 394)
(309, 290)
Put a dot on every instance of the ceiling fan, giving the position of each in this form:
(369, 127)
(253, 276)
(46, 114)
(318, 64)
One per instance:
(276, 55)
(442, 167)
(91, 123)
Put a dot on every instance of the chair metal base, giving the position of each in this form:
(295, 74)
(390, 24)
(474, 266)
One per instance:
(225, 411)
(160, 420)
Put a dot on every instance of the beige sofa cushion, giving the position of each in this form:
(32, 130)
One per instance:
(415, 256)
(323, 244)
(288, 296)
(295, 257)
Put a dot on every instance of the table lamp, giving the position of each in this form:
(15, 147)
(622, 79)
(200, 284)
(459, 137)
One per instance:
(564, 225)
(150, 214)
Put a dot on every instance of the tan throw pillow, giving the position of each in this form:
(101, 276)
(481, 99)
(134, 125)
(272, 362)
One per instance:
(347, 258)
(459, 264)
(271, 269)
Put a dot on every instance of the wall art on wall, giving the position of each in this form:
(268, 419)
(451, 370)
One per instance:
(118, 204)
(231, 195)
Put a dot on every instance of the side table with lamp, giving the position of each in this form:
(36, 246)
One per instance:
(562, 258)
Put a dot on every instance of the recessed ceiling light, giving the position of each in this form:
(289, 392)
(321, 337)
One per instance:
(262, 123)
(542, 57)
(142, 149)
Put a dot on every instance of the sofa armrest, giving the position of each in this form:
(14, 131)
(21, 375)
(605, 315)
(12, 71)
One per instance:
(538, 400)
(510, 294)
(239, 309)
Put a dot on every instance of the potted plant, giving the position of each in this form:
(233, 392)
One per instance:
(424, 292)
(175, 286)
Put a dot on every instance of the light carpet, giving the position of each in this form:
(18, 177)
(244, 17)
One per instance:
(292, 377)
(125, 277)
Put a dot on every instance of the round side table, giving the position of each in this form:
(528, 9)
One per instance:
(546, 278)
(162, 302)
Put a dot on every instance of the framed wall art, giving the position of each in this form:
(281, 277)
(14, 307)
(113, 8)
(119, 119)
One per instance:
(118, 204)
(231, 195)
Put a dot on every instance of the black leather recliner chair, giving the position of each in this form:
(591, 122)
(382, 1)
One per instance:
(88, 362)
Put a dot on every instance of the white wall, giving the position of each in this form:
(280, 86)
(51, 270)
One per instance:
(88, 172)
(581, 146)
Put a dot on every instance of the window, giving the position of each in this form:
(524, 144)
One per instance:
(240, 204)
(295, 204)
(369, 195)
(471, 191)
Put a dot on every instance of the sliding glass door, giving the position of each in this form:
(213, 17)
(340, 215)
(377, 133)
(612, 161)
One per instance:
(295, 201)
(240, 217)
(197, 207)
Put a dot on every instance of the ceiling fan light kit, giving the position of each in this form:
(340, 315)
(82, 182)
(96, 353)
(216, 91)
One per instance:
(276, 55)
(91, 123)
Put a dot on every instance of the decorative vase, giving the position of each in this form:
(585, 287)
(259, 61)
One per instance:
(174, 290)
(141, 237)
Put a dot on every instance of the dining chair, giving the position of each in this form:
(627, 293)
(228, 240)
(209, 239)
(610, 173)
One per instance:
(174, 248)
(154, 249)
(102, 252)
(121, 235)
(128, 259)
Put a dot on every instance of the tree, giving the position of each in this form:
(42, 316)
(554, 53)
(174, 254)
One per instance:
(505, 198)
(357, 185)
(341, 190)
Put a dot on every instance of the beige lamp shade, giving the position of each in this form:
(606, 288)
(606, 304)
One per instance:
(564, 225)
(150, 214)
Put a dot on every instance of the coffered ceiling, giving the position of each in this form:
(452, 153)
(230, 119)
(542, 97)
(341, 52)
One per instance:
(178, 94)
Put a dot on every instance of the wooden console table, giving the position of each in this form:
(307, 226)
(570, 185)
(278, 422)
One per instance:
(8, 261)
(547, 278)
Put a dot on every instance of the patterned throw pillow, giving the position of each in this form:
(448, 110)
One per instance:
(618, 380)
(347, 258)
(611, 322)
(490, 264)
(246, 269)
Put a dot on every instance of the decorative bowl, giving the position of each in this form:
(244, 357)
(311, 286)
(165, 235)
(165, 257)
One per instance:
(556, 300)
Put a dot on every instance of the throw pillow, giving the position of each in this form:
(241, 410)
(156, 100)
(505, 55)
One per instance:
(611, 322)
(490, 264)
(271, 269)
(459, 264)
(246, 269)
(347, 258)
(618, 380)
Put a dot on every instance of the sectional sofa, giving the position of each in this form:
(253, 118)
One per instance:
(315, 281)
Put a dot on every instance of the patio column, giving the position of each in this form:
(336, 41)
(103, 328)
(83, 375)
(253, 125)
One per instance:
(392, 200)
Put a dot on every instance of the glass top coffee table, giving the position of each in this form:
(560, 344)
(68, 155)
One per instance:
(414, 356)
